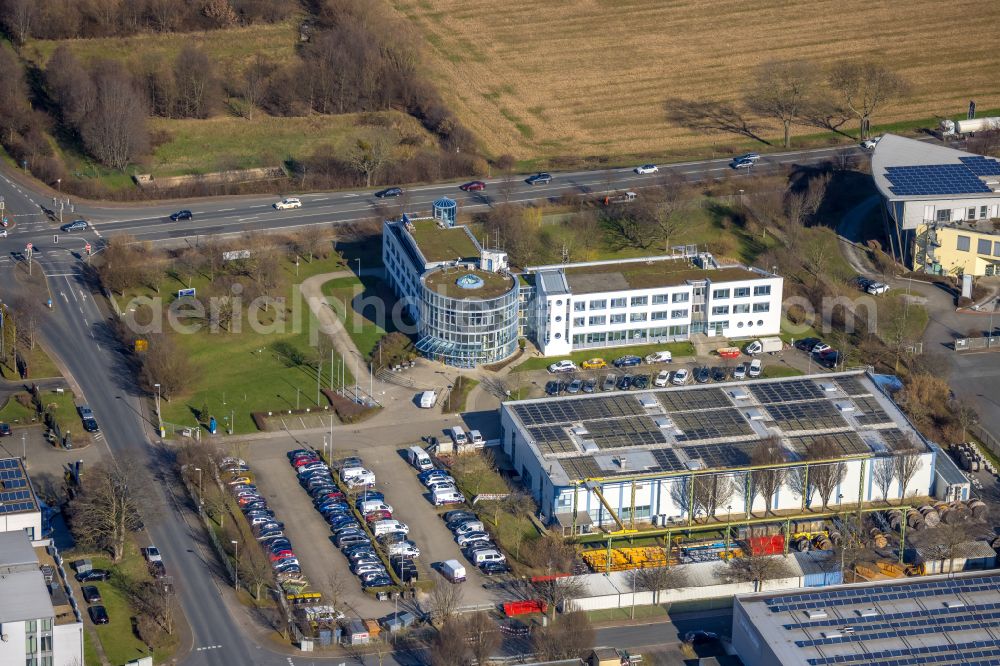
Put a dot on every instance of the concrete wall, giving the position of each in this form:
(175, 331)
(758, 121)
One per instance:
(753, 649)
(32, 521)
(12, 650)
(67, 642)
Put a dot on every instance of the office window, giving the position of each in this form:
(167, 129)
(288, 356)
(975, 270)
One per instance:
(660, 315)
(761, 307)
(983, 212)
(983, 246)
(720, 310)
(598, 305)
(970, 213)
(678, 314)
(617, 319)
(579, 321)
(762, 290)
(741, 292)
(637, 316)
(660, 299)
(579, 306)
(741, 308)
(639, 300)
(720, 293)
(681, 297)
(618, 302)
(598, 321)
(46, 643)
(996, 248)
(944, 215)
(963, 244)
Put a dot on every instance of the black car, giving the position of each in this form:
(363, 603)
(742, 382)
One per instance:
(182, 215)
(5, 430)
(702, 375)
(389, 192)
(640, 382)
(719, 374)
(700, 636)
(91, 594)
(541, 178)
(625, 383)
(829, 359)
(553, 388)
(90, 425)
(455, 518)
(75, 225)
(93, 575)
(807, 344)
(98, 615)
(494, 568)
(589, 385)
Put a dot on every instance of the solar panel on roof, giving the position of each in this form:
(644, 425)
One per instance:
(852, 386)
(849, 442)
(710, 424)
(720, 455)
(681, 401)
(818, 415)
(938, 179)
(621, 433)
(790, 391)
(9, 463)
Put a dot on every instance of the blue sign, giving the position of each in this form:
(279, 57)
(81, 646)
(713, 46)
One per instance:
(181, 293)
(212, 425)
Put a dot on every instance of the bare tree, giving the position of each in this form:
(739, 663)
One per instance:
(19, 17)
(164, 364)
(555, 592)
(883, 472)
(369, 157)
(906, 458)
(108, 507)
(754, 569)
(827, 477)
(194, 74)
(712, 116)
(781, 91)
(114, 130)
(568, 637)
(866, 88)
(482, 637)
(712, 492)
(445, 598)
(28, 312)
(766, 482)
(255, 570)
(313, 241)
(657, 579)
(255, 81)
(449, 647)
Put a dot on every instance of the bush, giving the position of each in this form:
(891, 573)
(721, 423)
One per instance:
(346, 409)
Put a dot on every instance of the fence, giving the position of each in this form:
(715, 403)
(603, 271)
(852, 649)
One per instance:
(977, 344)
(987, 438)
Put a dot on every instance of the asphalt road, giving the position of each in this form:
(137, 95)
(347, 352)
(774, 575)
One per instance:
(76, 331)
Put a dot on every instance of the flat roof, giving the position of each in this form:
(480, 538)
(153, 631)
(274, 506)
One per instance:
(23, 594)
(666, 272)
(920, 170)
(439, 244)
(16, 493)
(710, 426)
(16, 551)
(445, 281)
(948, 619)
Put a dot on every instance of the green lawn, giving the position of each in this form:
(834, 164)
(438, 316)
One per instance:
(364, 327)
(40, 365)
(459, 393)
(239, 373)
(90, 656)
(775, 371)
(63, 407)
(608, 354)
(640, 613)
(14, 413)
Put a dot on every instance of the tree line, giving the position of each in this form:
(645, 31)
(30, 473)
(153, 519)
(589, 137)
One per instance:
(73, 19)
(799, 93)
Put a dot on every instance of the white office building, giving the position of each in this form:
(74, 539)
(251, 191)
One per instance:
(40, 622)
(19, 507)
(470, 310)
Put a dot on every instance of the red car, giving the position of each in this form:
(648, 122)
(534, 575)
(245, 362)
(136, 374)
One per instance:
(281, 554)
(372, 516)
(302, 462)
(473, 186)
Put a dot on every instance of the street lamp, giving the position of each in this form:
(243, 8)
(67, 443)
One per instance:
(237, 567)
(157, 387)
(200, 491)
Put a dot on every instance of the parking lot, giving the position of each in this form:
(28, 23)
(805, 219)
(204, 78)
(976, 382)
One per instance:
(326, 568)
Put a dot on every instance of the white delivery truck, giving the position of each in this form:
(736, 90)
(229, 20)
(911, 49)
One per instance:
(764, 346)
(419, 458)
(453, 571)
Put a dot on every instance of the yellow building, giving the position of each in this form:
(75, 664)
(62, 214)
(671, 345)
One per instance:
(958, 248)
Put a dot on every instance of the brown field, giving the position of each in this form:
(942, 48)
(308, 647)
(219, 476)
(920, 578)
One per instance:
(589, 77)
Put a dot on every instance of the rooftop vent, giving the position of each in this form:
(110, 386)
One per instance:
(755, 414)
(832, 634)
(827, 387)
(845, 406)
(954, 604)
(694, 464)
(738, 394)
(868, 612)
(648, 401)
(816, 614)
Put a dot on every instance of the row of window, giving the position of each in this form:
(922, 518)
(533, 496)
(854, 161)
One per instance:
(601, 320)
(742, 292)
(741, 308)
(633, 335)
(983, 245)
(634, 301)
(945, 214)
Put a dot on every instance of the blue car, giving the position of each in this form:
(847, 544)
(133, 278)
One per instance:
(539, 179)
(627, 361)
(427, 475)
(370, 496)
(389, 192)
(75, 225)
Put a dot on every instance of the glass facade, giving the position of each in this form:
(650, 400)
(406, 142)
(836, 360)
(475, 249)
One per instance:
(467, 332)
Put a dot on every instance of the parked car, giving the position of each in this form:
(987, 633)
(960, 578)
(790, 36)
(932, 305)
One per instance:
(662, 378)
(75, 225)
(594, 364)
(455, 518)
(540, 178)
(91, 594)
(877, 288)
(807, 344)
(563, 366)
(152, 554)
(755, 368)
(463, 539)
(289, 202)
(389, 192)
(819, 348)
(429, 474)
(719, 374)
(403, 549)
(93, 575)
(660, 357)
(627, 361)
(625, 383)
(680, 377)
(494, 568)
(589, 385)
(702, 375)
(609, 383)
(5, 430)
(473, 186)
(465, 527)
(98, 614)
(182, 215)
(574, 386)
(740, 372)
(440, 483)
(640, 382)
(646, 168)
(553, 388)
(700, 636)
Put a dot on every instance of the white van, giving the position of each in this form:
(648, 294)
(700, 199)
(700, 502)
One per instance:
(428, 399)
(380, 527)
(419, 458)
(349, 472)
(446, 496)
(476, 439)
(458, 436)
(482, 556)
(373, 505)
(470, 526)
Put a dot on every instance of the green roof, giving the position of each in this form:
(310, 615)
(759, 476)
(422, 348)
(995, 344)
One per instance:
(444, 281)
(620, 276)
(438, 244)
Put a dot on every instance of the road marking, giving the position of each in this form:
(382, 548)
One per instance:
(225, 210)
(209, 647)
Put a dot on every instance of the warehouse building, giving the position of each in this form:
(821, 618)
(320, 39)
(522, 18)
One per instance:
(669, 456)
(950, 619)
(470, 309)
(940, 206)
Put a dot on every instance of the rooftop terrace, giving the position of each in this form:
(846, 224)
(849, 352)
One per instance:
(667, 430)
(444, 244)
(620, 276)
(446, 281)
